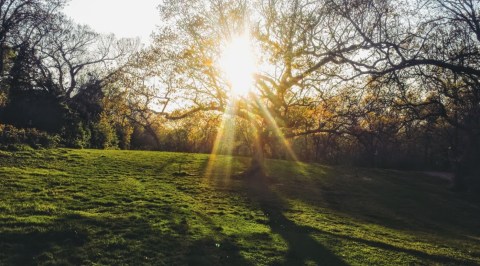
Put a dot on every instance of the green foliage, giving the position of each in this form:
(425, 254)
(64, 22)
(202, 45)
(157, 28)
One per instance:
(124, 133)
(114, 207)
(18, 147)
(76, 135)
(17, 138)
(3, 98)
(103, 134)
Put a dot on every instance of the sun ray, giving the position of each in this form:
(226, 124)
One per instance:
(272, 124)
(224, 143)
(238, 64)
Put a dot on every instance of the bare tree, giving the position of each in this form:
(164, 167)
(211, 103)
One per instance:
(73, 54)
(24, 23)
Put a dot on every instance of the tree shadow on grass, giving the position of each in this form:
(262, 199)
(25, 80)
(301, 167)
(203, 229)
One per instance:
(207, 251)
(394, 199)
(46, 243)
(34, 247)
(429, 258)
(397, 200)
(301, 246)
(79, 240)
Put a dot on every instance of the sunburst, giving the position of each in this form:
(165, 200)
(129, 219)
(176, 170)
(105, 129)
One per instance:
(238, 63)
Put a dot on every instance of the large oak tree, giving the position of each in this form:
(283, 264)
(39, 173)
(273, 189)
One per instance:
(298, 45)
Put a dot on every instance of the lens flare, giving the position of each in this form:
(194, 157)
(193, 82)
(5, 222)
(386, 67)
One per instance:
(238, 64)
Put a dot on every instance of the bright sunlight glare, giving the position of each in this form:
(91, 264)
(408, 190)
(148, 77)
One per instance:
(238, 64)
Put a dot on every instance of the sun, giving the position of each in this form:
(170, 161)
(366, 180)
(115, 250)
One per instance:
(238, 63)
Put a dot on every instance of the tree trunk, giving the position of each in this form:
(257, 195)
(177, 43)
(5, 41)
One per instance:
(257, 165)
(2, 59)
(466, 166)
(152, 133)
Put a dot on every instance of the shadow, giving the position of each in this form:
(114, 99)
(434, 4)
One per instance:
(33, 247)
(207, 251)
(437, 259)
(79, 240)
(301, 246)
(399, 200)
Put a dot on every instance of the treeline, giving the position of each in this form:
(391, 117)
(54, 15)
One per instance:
(375, 83)
(52, 76)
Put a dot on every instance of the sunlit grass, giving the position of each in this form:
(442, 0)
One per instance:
(131, 207)
(223, 145)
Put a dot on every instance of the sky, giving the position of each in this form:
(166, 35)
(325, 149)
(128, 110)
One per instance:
(124, 18)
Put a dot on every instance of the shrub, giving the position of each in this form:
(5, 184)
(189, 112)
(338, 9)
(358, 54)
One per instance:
(76, 135)
(16, 138)
(103, 135)
(18, 147)
(40, 139)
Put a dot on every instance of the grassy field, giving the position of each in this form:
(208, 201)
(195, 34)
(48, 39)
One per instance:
(131, 207)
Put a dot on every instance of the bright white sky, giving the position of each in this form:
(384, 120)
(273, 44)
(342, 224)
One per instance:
(124, 18)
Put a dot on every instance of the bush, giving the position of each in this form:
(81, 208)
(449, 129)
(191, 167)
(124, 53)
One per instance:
(103, 135)
(18, 147)
(39, 139)
(76, 135)
(17, 138)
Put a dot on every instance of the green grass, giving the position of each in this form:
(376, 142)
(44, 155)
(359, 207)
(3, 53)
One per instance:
(132, 207)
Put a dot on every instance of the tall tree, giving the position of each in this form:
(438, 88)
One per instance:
(24, 21)
(73, 54)
(298, 42)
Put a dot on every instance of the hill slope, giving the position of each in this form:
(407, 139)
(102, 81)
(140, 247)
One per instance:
(131, 207)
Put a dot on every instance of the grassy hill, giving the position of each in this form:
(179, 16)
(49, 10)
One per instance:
(132, 207)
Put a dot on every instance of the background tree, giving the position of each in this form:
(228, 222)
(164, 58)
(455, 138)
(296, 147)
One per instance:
(23, 21)
(57, 70)
(428, 49)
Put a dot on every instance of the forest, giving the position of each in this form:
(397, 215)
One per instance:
(370, 83)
